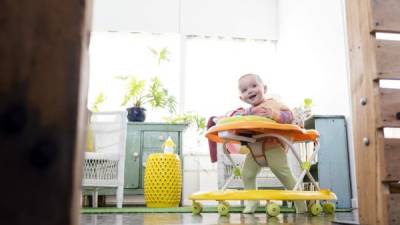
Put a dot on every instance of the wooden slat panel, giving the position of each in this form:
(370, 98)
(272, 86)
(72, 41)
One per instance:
(362, 68)
(393, 209)
(388, 107)
(388, 59)
(391, 165)
(42, 109)
(370, 156)
(386, 16)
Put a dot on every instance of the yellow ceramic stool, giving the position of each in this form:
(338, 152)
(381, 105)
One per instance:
(162, 180)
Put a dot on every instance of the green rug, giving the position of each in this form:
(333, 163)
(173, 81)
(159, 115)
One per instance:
(184, 209)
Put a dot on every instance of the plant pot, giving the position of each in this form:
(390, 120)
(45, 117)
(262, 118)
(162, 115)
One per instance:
(136, 114)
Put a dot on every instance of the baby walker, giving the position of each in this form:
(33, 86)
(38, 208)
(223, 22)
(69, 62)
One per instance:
(251, 132)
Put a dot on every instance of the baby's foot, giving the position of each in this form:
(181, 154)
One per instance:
(251, 206)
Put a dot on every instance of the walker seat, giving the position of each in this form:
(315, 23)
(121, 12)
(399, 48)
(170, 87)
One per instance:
(252, 131)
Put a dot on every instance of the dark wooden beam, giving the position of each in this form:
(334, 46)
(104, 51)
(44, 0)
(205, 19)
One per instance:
(43, 88)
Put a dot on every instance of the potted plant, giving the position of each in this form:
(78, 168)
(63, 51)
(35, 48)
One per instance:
(191, 118)
(138, 95)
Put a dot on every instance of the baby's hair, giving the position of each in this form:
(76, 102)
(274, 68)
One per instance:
(253, 74)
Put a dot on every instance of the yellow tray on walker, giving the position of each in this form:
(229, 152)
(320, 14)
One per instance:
(255, 127)
(271, 208)
(229, 194)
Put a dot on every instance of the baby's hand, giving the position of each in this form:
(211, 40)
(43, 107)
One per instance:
(238, 112)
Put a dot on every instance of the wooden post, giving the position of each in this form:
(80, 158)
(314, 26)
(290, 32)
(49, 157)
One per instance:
(43, 88)
(374, 108)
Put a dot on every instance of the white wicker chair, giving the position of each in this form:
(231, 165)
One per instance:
(104, 168)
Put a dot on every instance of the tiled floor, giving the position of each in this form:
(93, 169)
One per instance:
(213, 218)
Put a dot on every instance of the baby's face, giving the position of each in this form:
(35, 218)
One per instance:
(251, 90)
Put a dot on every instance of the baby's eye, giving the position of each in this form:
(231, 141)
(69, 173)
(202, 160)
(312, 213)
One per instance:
(254, 85)
(244, 90)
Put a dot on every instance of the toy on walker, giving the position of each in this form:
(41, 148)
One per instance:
(251, 132)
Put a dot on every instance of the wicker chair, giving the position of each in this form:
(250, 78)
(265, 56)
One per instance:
(104, 167)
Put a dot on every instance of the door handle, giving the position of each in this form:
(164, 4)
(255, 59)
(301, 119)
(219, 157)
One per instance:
(135, 156)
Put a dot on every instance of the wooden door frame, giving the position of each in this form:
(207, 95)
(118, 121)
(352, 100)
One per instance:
(43, 94)
(374, 108)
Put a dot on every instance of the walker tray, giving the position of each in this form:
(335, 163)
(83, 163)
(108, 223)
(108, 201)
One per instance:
(256, 125)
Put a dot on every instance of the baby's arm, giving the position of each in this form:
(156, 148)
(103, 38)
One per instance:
(281, 114)
(274, 110)
(285, 116)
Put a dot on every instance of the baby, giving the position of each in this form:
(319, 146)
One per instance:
(252, 91)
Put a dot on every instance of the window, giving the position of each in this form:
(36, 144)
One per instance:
(121, 54)
(213, 66)
(210, 67)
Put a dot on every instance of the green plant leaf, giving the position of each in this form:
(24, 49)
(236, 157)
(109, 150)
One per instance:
(190, 118)
(159, 97)
(308, 102)
(100, 98)
(134, 91)
(155, 53)
(171, 104)
(163, 55)
(126, 100)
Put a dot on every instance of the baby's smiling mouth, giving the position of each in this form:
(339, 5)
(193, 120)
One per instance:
(251, 97)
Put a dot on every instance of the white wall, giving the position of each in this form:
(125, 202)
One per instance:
(136, 15)
(311, 55)
(238, 18)
(312, 59)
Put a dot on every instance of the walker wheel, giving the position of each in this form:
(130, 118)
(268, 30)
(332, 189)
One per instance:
(273, 209)
(197, 208)
(223, 208)
(315, 209)
(329, 208)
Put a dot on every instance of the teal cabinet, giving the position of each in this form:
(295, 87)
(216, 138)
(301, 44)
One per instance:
(144, 139)
(333, 157)
(132, 162)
